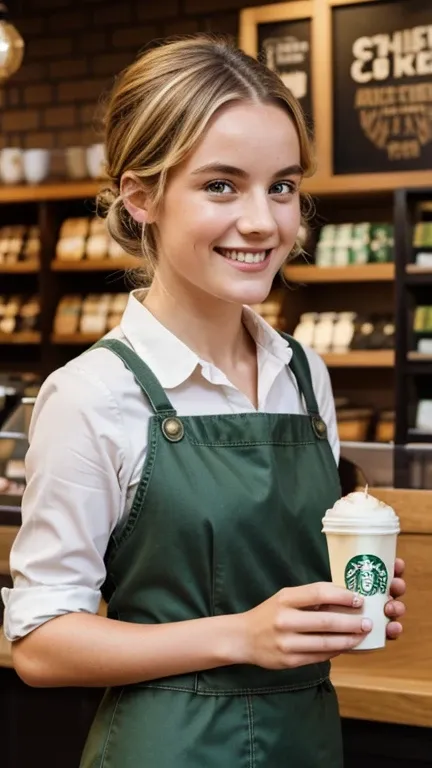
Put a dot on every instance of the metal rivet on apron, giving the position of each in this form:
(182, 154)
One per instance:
(173, 429)
(319, 427)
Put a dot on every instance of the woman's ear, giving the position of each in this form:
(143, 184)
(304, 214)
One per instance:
(135, 198)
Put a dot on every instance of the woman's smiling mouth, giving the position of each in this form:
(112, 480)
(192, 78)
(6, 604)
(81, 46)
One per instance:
(248, 260)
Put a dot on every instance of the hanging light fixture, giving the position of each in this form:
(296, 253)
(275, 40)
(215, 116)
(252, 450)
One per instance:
(11, 45)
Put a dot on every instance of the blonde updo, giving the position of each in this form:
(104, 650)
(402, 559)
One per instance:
(159, 109)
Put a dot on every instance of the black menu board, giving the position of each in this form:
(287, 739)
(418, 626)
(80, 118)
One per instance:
(382, 76)
(285, 47)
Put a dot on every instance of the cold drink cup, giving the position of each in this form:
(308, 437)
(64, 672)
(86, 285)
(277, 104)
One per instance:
(361, 537)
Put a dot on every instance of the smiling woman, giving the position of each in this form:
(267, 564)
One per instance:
(181, 468)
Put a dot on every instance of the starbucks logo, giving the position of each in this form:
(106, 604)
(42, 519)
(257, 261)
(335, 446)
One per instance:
(367, 575)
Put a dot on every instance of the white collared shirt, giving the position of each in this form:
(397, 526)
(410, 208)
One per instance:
(88, 441)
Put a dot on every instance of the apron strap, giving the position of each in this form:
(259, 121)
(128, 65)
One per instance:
(299, 365)
(144, 376)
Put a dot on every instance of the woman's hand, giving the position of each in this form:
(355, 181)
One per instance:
(290, 629)
(395, 609)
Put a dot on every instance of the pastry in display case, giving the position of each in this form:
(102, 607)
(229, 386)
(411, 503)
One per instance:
(93, 314)
(19, 313)
(13, 448)
(86, 239)
(72, 239)
(19, 243)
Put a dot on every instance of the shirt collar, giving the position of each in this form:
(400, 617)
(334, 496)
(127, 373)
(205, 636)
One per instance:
(172, 361)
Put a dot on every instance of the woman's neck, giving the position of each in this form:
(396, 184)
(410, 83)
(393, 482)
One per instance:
(209, 326)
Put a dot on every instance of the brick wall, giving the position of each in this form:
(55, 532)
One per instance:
(74, 48)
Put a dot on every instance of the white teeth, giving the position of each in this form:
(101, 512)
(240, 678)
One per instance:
(249, 258)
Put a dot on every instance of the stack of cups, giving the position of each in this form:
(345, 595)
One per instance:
(361, 536)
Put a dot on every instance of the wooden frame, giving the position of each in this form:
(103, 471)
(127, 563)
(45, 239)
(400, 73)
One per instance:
(320, 13)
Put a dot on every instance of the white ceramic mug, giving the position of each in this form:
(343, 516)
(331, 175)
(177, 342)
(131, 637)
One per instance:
(36, 165)
(11, 165)
(76, 163)
(96, 160)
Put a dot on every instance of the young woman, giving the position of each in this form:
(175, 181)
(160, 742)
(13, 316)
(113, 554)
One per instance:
(182, 467)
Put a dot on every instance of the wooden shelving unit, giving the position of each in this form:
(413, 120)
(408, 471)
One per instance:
(414, 269)
(50, 192)
(419, 357)
(351, 274)
(384, 358)
(95, 265)
(413, 368)
(367, 288)
(21, 337)
(75, 339)
(21, 268)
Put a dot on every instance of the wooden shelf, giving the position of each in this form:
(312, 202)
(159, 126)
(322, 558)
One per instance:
(21, 337)
(414, 269)
(354, 273)
(380, 358)
(53, 191)
(419, 357)
(75, 338)
(95, 265)
(20, 267)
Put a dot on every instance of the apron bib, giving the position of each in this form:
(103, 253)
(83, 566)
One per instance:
(227, 512)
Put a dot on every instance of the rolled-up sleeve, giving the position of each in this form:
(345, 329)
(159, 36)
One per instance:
(72, 502)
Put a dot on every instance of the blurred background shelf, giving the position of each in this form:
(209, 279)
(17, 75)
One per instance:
(20, 267)
(414, 269)
(78, 339)
(384, 358)
(56, 191)
(420, 357)
(21, 337)
(352, 274)
(95, 265)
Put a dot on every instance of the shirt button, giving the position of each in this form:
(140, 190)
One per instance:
(173, 429)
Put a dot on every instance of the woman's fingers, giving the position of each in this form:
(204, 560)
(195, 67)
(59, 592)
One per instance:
(323, 644)
(321, 621)
(394, 609)
(320, 593)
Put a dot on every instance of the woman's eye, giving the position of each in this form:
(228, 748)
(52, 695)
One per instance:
(219, 188)
(283, 188)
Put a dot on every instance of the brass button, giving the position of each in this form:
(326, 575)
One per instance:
(319, 427)
(173, 429)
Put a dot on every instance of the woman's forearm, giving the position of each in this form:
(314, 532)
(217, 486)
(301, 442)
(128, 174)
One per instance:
(81, 649)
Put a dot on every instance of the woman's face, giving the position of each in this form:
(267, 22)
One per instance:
(231, 211)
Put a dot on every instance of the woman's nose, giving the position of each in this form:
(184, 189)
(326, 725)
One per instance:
(256, 217)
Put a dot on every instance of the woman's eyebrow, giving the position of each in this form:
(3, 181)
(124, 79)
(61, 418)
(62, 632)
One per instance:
(231, 170)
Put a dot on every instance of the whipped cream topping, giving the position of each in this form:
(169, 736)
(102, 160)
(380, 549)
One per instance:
(360, 507)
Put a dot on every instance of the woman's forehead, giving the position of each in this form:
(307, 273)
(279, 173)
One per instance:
(258, 134)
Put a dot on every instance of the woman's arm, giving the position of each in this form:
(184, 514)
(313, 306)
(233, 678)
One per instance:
(86, 650)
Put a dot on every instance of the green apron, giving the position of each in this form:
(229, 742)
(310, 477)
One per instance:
(227, 512)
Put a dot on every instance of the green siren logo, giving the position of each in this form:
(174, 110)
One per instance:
(367, 575)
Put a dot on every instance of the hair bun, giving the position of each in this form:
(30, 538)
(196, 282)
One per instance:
(105, 199)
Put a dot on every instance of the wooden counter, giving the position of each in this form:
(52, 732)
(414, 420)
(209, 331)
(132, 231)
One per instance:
(389, 686)
(395, 685)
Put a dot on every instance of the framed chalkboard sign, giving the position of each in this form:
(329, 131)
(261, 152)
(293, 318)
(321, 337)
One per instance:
(285, 47)
(362, 70)
(382, 86)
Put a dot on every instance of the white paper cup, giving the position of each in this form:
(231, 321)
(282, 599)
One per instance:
(36, 165)
(362, 552)
(95, 155)
(76, 163)
(11, 165)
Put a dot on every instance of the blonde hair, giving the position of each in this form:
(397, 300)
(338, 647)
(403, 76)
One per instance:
(159, 109)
